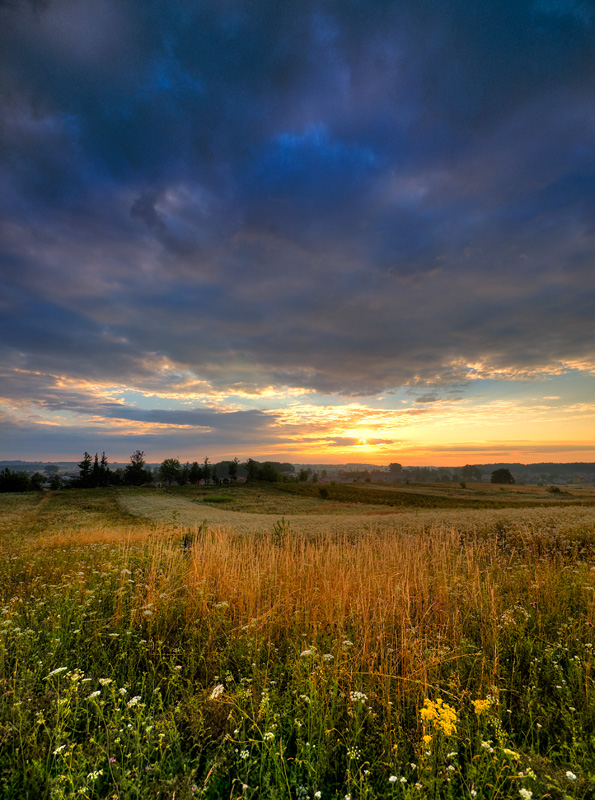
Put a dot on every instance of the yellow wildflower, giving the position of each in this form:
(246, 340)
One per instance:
(481, 706)
(439, 715)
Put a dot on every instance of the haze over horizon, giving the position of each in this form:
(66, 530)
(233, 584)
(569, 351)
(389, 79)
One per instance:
(323, 232)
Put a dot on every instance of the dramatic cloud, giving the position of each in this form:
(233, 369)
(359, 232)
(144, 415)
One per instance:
(212, 211)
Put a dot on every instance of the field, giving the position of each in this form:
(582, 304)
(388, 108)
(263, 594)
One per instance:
(250, 642)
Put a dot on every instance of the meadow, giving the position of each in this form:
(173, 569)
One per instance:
(247, 642)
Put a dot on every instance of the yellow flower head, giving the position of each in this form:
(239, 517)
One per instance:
(481, 706)
(440, 716)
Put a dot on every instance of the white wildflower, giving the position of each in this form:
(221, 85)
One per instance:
(570, 775)
(56, 671)
(133, 701)
(217, 691)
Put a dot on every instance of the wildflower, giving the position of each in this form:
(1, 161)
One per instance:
(393, 779)
(570, 775)
(94, 694)
(307, 653)
(358, 697)
(105, 681)
(347, 643)
(244, 754)
(217, 691)
(317, 795)
(92, 776)
(328, 657)
(526, 794)
(56, 671)
(123, 691)
(439, 715)
(112, 760)
(481, 706)
(268, 736)
(58, 750)
(133, 701)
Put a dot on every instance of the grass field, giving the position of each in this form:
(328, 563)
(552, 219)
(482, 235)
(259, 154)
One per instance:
(251, 643)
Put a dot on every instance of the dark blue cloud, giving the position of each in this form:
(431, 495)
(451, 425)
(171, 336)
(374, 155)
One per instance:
(344, 196)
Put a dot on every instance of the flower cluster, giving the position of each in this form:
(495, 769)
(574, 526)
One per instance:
(439, 716)
(482, 706)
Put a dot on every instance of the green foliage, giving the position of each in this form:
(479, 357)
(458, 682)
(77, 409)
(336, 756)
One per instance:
(218, 498)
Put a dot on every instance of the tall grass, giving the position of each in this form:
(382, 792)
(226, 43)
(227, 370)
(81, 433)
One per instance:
(436, 660)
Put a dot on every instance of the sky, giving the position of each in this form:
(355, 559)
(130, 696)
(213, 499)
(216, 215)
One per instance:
(320, 232)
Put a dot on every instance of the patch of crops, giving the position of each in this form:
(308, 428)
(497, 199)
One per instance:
(347, 493)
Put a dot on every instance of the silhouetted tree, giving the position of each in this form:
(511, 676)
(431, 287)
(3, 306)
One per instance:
(85, 469)
(170, 471)
(56, 482)
(14, 481)
(232, 470)
(135, 473)
(502, 475)
(195, 474)
(36, 481)
(251, 467)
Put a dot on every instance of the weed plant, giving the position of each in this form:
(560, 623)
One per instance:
(445, 661)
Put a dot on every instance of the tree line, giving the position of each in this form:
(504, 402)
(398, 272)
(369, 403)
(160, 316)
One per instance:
(94, 472)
